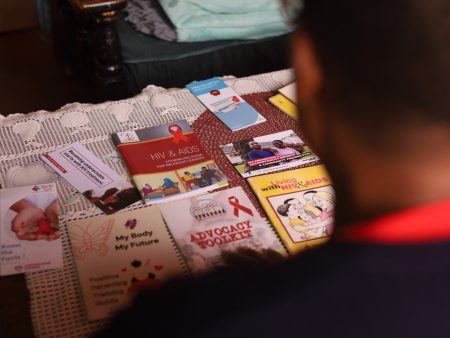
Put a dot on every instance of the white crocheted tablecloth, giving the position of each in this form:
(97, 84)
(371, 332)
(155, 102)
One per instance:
(56, 301)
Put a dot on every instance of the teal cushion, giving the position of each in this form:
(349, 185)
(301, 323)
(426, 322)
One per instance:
(148, 60)
(137, 47)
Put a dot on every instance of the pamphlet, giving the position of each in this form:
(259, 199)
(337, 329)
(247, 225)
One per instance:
(285, 105)
(90, 176)
(268, 153)
(225, 103)
(119, 254)
(290, 92)
(30, 237)
(167, 162)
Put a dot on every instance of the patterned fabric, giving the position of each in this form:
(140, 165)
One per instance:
(55, 296)
(149, 18)
(200, 20)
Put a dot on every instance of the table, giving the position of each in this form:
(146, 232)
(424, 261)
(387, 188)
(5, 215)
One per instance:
(56, 302)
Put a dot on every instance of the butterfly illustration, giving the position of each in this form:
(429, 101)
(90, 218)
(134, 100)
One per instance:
(131, 224)
(90, 239)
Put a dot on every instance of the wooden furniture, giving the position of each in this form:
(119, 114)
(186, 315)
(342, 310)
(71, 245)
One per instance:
(93, 36)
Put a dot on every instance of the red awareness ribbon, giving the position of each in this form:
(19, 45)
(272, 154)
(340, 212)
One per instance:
(177, 133)
(234, 202)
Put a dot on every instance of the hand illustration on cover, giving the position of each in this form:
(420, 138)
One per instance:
(90, 239)
(33, 223)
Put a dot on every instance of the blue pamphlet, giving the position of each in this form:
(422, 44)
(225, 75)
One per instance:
(225, 103)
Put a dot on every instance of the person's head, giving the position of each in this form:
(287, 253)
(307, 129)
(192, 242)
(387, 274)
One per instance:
(187, 173)
(289, 207)
(278, 143)
(323, 200)
(309, 195)
(254, 145)
(373, 81)
(380, 66)
(203, 169)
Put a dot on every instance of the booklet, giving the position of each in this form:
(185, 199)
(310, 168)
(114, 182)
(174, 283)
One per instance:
(206, 226)
(299, 203)
(29, 236)
(95, 180)
(268, 153)
(225, 103)
(285, 105)
(119, 254)
(289, 91)
(167, 162)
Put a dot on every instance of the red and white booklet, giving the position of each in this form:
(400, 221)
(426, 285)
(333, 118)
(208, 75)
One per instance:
(94, 179)
(167, 162)
(204, 227)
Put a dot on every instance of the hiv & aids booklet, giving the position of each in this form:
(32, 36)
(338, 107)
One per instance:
(167, 162)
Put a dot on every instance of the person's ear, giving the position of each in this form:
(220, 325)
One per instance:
(309, 84)
(307, 68)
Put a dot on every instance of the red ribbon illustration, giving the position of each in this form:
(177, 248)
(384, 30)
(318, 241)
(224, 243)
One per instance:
(234, 202)
(177, 133)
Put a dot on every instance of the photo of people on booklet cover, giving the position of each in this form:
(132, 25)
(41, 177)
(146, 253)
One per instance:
(263, 154)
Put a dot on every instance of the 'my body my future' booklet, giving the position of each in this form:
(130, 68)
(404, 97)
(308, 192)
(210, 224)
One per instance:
(119, 254)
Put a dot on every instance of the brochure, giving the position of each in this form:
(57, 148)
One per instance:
(225, 103)
(268, 153)
(29, 236)
(95, 180)
(285, 105)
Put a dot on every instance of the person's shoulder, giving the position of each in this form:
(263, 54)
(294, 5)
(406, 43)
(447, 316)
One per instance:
(179, 306)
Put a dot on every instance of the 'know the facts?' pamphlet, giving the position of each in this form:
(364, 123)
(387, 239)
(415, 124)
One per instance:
(29, 234)
(225, 103)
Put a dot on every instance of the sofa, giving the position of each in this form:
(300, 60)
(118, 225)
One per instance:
(94, 37)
